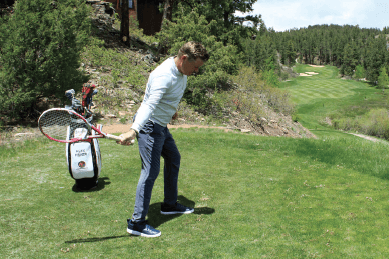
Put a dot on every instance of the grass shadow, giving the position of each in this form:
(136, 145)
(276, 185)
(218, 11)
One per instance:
(102, 182)
(155, 218)
(93, 239)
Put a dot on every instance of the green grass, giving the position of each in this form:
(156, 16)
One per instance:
(253, 196)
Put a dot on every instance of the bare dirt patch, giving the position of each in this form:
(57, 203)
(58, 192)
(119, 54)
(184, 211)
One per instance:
(277, 124)
(366, 137)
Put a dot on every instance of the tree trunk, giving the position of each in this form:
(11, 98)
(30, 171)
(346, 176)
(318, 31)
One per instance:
(167, 15)
(226, 20)
(125, 23)
(167, 10)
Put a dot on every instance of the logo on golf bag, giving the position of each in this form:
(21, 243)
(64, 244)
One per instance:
(81, 164)
(81, 152)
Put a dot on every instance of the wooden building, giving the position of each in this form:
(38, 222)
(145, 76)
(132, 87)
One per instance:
(145, 11)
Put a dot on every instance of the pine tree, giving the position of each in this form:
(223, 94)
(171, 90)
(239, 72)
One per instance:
(349, 60)
(360, 72)
(40, 47)
(291, 53)
(375, 57)
(383, 79)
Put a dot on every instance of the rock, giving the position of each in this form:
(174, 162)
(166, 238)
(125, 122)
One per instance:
(110, 116)
(28, 134)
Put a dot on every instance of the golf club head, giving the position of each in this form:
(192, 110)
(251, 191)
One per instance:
(70, 94)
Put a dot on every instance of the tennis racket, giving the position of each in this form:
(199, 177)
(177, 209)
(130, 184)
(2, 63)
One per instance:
(56, 124)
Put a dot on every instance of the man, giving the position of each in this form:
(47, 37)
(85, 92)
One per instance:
(164, 90)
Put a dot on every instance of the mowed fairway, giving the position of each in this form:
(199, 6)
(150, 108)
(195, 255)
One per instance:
(324, 84)
(324, 94)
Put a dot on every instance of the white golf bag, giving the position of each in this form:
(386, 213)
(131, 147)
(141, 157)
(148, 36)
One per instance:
(83, 159)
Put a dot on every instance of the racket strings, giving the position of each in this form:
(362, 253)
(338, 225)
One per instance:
(60, 124)
(77, 123)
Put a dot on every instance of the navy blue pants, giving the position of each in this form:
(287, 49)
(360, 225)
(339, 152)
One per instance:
(155, 141)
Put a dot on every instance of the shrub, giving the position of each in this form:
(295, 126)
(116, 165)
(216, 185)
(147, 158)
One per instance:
(345, 124)
(284, 76)
(253, 96)
(252, 81)
(247, 104)
(374, 123)
(121, 65)
(40, 47)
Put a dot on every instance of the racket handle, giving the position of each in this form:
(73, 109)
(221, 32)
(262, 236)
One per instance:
(113, 137)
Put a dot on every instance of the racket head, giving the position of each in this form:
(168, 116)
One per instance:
(56, 124)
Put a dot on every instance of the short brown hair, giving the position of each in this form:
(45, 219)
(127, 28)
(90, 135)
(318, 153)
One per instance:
(194, 50)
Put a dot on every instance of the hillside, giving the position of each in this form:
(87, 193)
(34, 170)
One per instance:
(119, 97)
(273, 123)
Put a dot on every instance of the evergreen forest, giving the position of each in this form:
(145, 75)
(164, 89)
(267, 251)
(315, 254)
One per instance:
(346, 47)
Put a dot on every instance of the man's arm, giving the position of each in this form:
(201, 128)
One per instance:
(158, 88)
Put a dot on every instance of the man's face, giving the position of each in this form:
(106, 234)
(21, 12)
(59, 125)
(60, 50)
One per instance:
(189, 67)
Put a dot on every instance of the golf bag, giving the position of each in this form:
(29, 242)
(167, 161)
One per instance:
(83, 158)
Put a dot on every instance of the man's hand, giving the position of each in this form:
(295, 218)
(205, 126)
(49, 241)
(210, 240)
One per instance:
(127, 138)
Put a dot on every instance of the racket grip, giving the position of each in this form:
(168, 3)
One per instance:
(110, 136)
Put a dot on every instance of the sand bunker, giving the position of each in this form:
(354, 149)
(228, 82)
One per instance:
(316, 66)
(308, 74)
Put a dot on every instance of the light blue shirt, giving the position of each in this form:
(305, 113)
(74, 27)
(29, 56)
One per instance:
(164, 90)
